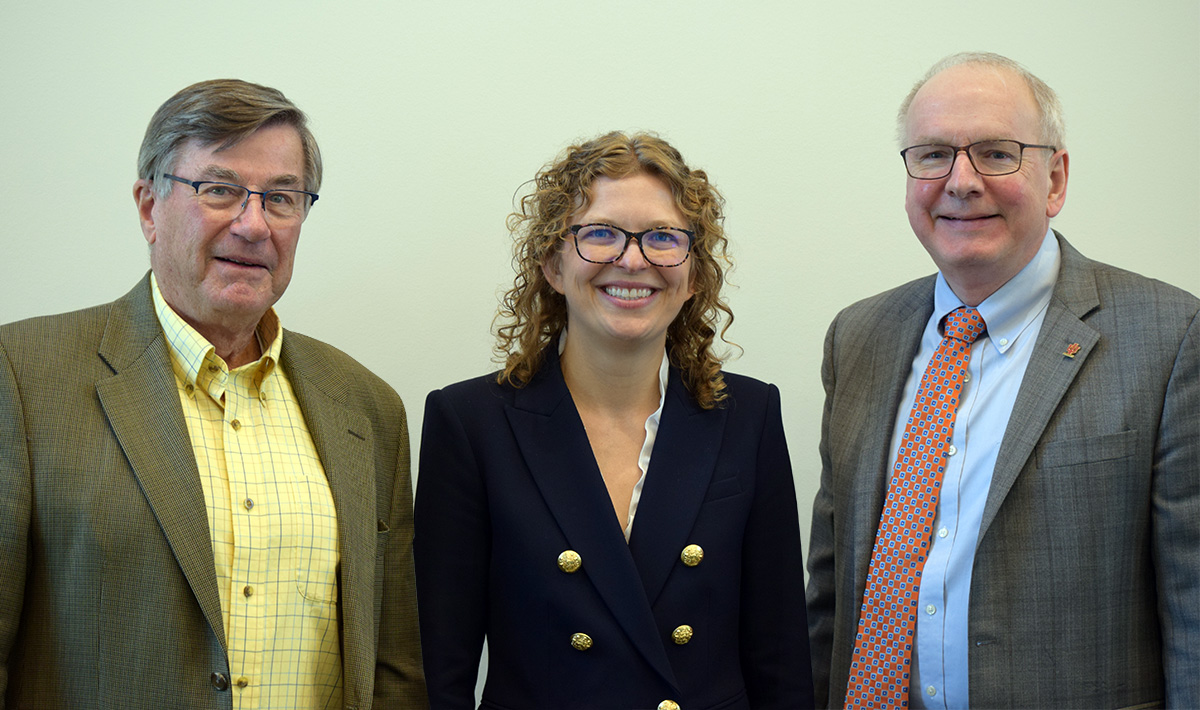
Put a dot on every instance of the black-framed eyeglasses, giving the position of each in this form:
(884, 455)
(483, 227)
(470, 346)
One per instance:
(602, 243)
(229, 199)
(932, 161)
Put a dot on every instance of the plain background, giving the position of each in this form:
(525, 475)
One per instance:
(431, 115)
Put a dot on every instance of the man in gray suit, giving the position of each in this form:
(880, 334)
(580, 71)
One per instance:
(1062, 561)
(199, 509)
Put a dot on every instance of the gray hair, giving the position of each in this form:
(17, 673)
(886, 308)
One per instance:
(1050, 111)
(220, 111)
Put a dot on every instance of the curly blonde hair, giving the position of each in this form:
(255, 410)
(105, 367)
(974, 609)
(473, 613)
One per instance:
(532, 313)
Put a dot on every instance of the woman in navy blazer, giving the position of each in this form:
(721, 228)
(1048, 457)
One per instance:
(611, 511)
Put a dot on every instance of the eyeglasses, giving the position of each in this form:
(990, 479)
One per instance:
(229, 199)
(605, 243)
(990, 158)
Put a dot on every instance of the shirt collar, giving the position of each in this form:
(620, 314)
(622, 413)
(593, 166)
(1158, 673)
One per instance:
(1015, 305)
(195, 359)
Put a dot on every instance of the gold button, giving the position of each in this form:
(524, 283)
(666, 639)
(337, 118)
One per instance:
(249, 503)
(189, 389)
(668, 705)
(569, 561)
(682, 634)
(243, 682)
(235, 424)
(214, 368)
(249, 591)
(691, 556)
(581, 642)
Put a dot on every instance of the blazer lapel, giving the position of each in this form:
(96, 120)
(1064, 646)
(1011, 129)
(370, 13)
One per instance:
(344, 441)
(1050, 372)
(681, 468)
(555, 447)
(141, 401)
(891, 358)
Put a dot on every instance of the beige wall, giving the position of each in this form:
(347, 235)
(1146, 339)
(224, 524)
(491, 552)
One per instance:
(432, 114)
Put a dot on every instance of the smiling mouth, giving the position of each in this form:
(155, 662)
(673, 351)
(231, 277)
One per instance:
(628, 294)
(239, 263)
(968, 219)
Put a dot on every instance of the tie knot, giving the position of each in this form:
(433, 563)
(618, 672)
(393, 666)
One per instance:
(964, 324)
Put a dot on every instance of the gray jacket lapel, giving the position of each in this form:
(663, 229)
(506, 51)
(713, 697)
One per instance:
(142, 404)
(890, 356)
(1049, 374)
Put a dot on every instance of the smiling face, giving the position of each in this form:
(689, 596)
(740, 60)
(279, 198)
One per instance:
(221, 274)
(980, 230)
(628, 301)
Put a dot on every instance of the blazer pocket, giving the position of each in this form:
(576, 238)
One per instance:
(724, 488)
(1087, 450)
(382, 534)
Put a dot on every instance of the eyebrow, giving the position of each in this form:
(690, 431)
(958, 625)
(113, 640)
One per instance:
(613, 223)
(224, 174)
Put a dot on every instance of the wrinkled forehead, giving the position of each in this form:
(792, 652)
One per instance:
(268, 159)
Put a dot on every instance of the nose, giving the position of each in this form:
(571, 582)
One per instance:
(963, 179)
(632, 258)
(251, 223)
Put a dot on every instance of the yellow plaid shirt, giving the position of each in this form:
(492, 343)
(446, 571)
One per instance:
(271, 516)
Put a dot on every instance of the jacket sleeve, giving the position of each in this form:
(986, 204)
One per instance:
(15, 505)
(453, 548)
(821, 592)
(774, 649)
(1176, 524)
(399, 679)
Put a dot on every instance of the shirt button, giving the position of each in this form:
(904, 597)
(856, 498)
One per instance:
(235, 424)
(214, 368)
(189, 389)
(1003, 341)
(966, 377)
(943, 532)
(249, 503)
(243, 682)
(248, 590)
(949, 452)
(930, 690)
(930, 609)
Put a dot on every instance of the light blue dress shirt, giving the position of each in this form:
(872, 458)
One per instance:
(1013, 315)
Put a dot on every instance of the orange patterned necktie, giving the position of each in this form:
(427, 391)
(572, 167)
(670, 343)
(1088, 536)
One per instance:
(879, 669)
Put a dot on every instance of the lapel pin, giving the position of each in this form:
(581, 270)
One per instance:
(1072, 350)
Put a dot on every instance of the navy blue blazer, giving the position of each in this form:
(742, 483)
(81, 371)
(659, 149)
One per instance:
(508, 482)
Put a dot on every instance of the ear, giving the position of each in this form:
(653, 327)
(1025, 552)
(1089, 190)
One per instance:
(145, 198)
(1059, 168)
(552, 270)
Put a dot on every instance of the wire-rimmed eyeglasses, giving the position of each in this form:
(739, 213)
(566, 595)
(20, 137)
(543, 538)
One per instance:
(229, 199)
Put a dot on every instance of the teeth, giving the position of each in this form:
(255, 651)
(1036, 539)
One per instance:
(627, 294)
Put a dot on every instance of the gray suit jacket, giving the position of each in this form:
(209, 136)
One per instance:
(108, 594)
(1086, 584)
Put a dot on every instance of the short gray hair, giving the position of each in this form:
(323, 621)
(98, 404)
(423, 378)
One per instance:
(220, 111)
(1050, 111)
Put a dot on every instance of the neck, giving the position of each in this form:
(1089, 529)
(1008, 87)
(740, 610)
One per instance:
(613, 379)
(235, 346)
